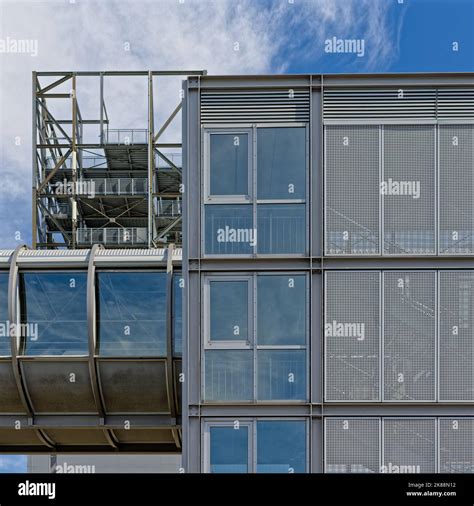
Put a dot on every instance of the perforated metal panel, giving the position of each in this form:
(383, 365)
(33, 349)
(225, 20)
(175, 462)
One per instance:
(352, 445)
(409, 445)
(258, 106)
(456, 336)
(456, 189)
(409, 336)
(352, 210)
(409, 198)
(456, 445)
(352, 336)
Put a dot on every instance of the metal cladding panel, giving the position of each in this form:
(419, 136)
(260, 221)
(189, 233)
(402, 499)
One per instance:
(145, 436)
(456, 445)
(379, 104)
(409, 197)
(10, 401)
(352, 336)
(456, 336)
(409, 336)
(255, 106)
(59, 386)
(456, 188)
(352, 208)
(352, 445)
(132, 386)
(410, 443)
(77, 437)
(14, 437)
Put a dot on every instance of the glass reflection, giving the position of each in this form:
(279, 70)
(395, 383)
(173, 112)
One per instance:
(281, 374)
(178, 295)
(229, 229)
(229, 449)
(229, 310)
(131, 313)
(53, 304)
(281, 228)
(229, 164)
(281, 163)
(281, 446)
(281, 305)
(5, 348)
(228, 375)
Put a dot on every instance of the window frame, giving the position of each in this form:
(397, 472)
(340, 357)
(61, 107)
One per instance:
(227, 199)
(225, 423)
(250, 422)
(252, 344)
(233, 344)
(206, 131)
(124, 270)
(22, 343)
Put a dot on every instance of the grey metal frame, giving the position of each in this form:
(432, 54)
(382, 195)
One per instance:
(251, 130)
(49, 135)
(251, 423)
(197, 265)
(252, 344)
(103, 421)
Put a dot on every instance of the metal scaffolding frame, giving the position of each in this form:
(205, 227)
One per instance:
(117, 215)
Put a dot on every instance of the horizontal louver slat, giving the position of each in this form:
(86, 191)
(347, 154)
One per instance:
(389, 104)
(250, 106)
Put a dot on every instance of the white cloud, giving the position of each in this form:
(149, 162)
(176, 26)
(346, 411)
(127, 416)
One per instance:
(163, 34)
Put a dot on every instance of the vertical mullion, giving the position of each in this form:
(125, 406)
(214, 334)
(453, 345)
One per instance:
(436, 199)
(437, 321)
(253, 170)
(381, 202)
(253, 452)
(381, 335)
(382, 446)
(254, 337)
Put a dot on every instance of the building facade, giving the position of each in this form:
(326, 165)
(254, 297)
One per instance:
(326, 281)
(329, 225)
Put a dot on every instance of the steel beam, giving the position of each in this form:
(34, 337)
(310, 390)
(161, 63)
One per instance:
(92, 339)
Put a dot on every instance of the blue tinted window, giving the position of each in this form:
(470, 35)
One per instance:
(281, 375)
(229, 449)
(178, 294)
(228, 375)
(131, 313)
(281, 228)
(281, 310)
(229, 229)
(229, 310)
(281, 446)
(53, 304)
(5, 348)
(229, 164)
(281, 163)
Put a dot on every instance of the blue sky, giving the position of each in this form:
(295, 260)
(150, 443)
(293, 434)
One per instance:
(274, 36)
